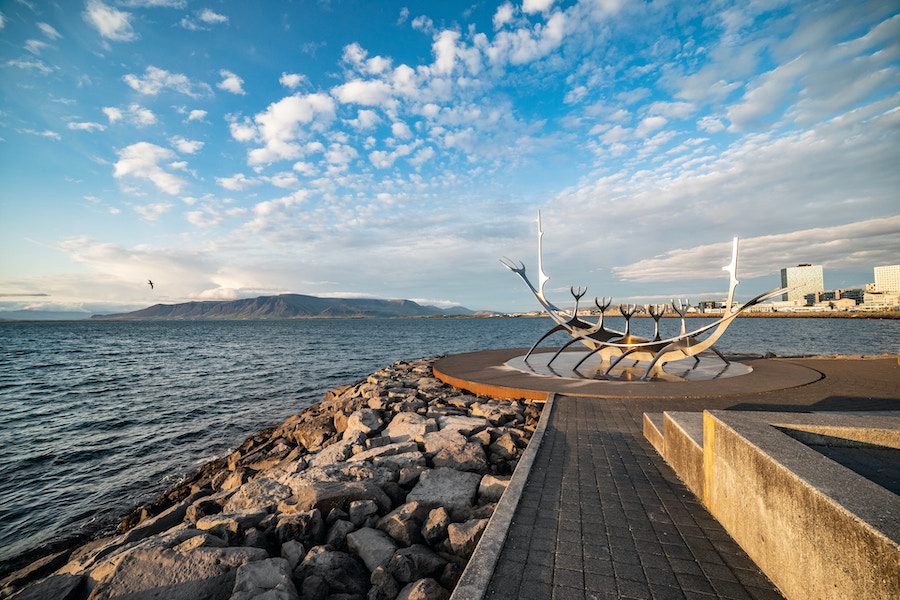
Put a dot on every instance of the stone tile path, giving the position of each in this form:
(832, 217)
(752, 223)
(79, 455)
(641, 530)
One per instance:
(603, 516)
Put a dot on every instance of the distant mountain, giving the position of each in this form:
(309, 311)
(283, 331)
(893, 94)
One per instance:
(288, 306)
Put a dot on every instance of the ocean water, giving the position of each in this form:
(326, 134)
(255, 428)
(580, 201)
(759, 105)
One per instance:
(96, 417)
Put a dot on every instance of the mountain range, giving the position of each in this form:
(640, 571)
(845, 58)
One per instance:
(287, 306)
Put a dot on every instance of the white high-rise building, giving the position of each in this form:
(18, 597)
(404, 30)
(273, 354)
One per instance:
(887, 279)
(803, 279)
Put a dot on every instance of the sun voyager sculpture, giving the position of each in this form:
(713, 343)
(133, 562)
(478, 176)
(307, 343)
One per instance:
(613, 346)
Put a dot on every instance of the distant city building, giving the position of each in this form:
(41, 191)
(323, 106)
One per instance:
(803, 279)
(887, 279)
(856, 295)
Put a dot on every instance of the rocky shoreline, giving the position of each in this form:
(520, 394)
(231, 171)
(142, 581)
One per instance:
(379, 492)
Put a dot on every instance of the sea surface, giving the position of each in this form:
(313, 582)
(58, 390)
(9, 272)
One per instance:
(97, 417)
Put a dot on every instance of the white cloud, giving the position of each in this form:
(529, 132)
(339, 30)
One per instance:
(365, 119)
(152, 212)
(154, 3)
(231, 82)
(401, 130)
(36, 46)
(210, 16)
(503, 15)
(270, 212)
(674, 110)
(186, 146)
(292, 80)
(236, 182)
(203, 217)
(111, 23)
(648, 125)
(49, 31)
(2, 21)
(45, 133)
(711, 124)
(32, 64)
(869, 242)
(285, 179)
(86, 126)
(365, 92)
(156, 80)
(135, 114)
(304, 168)
(534, 6)
(340, 154)
(421, 156)
(279, 125)
(527, 44)
(197, 115)
(142, 160)
(445, 51)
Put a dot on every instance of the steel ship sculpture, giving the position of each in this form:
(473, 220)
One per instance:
(614, 346)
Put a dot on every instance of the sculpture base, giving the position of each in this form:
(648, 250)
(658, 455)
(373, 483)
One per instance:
(709, 368)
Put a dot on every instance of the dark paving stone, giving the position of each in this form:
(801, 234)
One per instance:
(607, 517)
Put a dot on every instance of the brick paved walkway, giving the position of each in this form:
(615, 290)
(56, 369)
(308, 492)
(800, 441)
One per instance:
(603, 516)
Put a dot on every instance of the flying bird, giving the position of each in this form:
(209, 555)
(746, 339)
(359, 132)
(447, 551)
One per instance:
(150, 283)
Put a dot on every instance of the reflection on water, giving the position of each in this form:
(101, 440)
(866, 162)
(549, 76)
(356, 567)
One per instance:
(709, 367)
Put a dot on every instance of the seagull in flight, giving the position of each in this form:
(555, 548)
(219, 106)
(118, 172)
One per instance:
(150, 283)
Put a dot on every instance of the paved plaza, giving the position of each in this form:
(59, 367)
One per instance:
(603, 516)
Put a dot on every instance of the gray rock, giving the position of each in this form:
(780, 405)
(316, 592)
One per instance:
(365, 421)
(423, 589)
(451, 574)
(464, 425)
(401, 461)
(468, 457)
(57, 587)
(201, 508)
(415, 562)
(464, 537)
(229, 525)
(326, 495)
(314, 587)
(185, 572)
(338, 571)
(374, 547)
(336, 514)
(386, 450)
(360, 510)
(271, 577)
(435, 527)
(314, 431)
(504, 447)
(384, 586)
(496, 413)
(410, 474)
(335, 453)
(492, 487)
(163, 521)
(306, 527)
(337, 534)
(293, 552)
(452, 489)
(482, 437)
(405, 522)
(260, 494)
(406, 426)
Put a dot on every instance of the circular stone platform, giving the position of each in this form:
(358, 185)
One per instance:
(496, 373)
(710, 367)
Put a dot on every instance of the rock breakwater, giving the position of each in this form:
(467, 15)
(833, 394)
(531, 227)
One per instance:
(379, 492)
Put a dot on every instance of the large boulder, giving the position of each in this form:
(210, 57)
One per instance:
(504, 447)
(338, 572)
(271, 577)
(337, 452)
(496, 413)
(492, 487)
(229, 526)
(423, 589)
(464, 536)
(464, 425)
(57, 587)
(451, 449)
(386, 450)
(360, 510)
(314, 431)
(415, 562)
(365, 421)
(184, 572)
(384, 586)
(293, 552)
(337, 534)
(326, 495)
(452, 489)
(404, 523)
(435, 527)
(406, 426)
(262, 493)
(306, 527)
(374, 547)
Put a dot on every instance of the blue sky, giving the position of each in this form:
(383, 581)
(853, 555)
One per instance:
(397, 149)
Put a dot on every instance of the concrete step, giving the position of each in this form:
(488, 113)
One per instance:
(653, 432)
(683, 440)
